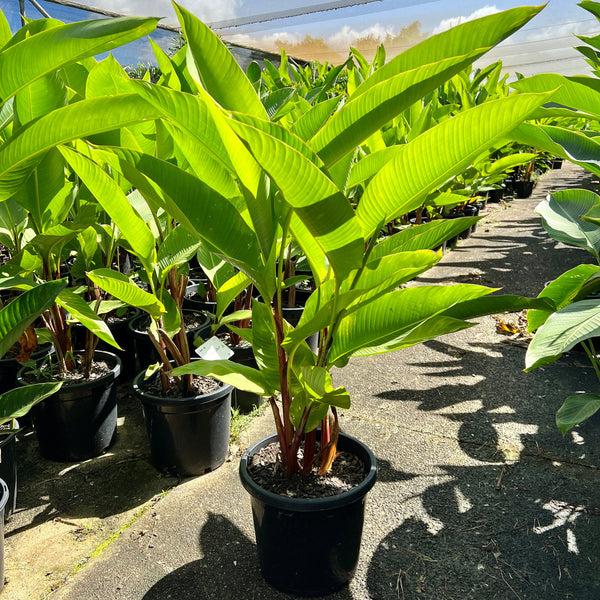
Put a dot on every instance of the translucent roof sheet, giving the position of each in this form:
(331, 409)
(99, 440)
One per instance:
(325, 30)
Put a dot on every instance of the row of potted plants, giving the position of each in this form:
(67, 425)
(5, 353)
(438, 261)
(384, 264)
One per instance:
(197, 165)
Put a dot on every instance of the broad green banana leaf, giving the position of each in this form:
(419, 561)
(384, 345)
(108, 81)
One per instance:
(576, 409)
(562, 214)
(44, 53)
(24, 150)
(18, 402)
(19, 314)
(439, 154)
(561, 331)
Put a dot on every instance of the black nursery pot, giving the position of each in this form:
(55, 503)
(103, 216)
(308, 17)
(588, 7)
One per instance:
(80, 420)
(188, 436)
(524, 189)
(309, 547)
(8, 469)
(3, 502)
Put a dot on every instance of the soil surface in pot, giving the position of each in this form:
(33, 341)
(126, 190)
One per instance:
(266, 470)
(51, 373)
(226, 339)
(200, 387)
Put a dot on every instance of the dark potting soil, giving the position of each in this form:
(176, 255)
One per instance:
(226, 339)
(266, 470)
(118, 317)
(51, 373)
(200, 386)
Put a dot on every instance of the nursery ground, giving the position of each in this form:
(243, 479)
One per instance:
(478, 496)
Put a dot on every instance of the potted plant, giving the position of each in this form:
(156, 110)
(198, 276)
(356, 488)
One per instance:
(267, 188)
(41, 112)
(15, 319)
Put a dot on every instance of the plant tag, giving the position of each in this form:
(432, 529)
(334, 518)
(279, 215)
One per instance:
(214, 349)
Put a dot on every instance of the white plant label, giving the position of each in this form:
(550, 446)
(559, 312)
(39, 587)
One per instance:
(214, 349)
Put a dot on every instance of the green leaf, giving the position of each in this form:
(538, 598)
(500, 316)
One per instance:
(310, 122)
(49, 50)
(563, 329)
(200, 209)
(426, 236)
(228, 291)
(371, 164)
(562, 291)
(264, 343)
(410, 76)
(562, 214)
(568, 93)
(114, 201)
(575, 410)
(81, 312)
(404, 182)
(18, 402)
(318, 384)
(217, 70)
(569, 144)
(394, 315)
(19, 314)
(119, 286)
(239, 376)
(319, 205)
(81, 119)
(177, 249)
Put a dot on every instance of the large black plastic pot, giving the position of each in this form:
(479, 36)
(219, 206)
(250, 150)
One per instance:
(80, 420)
(309, 547)
(524, 189)
(3, 502)
(188, 436)
(8, 468)
(144, 349)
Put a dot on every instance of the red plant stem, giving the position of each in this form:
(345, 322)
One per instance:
(325, 431)
(279, 427)
(286, 400)
(310, 442)
(292, 465)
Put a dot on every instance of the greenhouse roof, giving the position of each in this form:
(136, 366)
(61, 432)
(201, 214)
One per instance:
(311, 29)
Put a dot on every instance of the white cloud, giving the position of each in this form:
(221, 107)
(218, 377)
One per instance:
(265, 41)
(207, 10)
(453, 21)
(346, 36)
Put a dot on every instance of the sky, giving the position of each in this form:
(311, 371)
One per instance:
(543, 45)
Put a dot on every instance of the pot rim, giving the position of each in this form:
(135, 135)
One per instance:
(114, 372)
(151, 399)
(4, 493)
(311, 504)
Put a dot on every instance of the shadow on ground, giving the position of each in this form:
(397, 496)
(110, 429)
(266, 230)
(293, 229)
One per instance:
(113, 483)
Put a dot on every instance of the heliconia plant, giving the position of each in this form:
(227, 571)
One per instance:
(49, 98)
(247, 187)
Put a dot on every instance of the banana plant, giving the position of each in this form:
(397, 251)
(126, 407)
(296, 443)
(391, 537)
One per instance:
(15, 319)
(573, 218)
(261, 187)
(50, 96)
